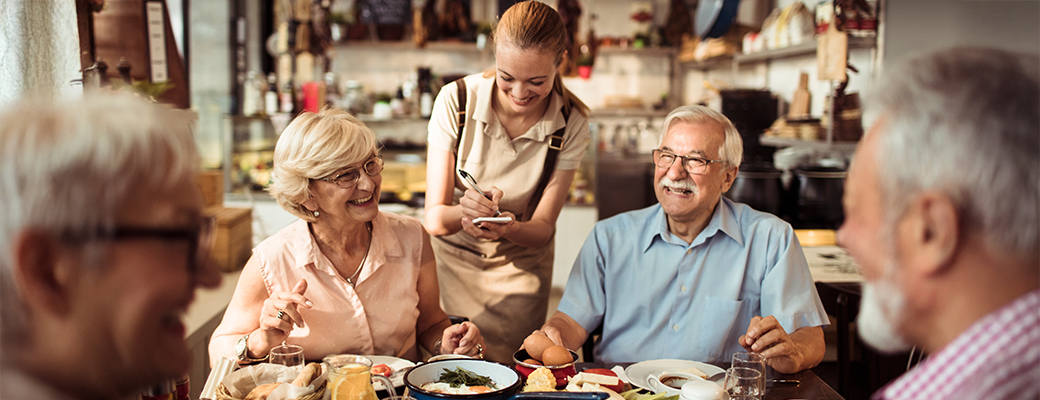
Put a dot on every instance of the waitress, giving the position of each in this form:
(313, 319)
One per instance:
(521, 134)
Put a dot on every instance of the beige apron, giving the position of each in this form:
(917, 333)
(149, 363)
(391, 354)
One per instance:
(501, 287)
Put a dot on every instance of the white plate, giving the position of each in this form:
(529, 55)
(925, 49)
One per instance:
(395, 364)
(638, 372)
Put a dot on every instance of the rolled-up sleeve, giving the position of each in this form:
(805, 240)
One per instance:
(788, 291)
(584, 298)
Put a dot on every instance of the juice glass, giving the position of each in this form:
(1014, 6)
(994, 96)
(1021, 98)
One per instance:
(350, 378)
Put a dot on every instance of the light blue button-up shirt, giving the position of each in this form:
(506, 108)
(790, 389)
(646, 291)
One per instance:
(659, 297)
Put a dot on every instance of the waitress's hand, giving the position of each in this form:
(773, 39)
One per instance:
(474, 205)
(274, 329)
(463, 339)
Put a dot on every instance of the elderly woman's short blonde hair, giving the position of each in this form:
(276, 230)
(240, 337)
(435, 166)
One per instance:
(313, 146)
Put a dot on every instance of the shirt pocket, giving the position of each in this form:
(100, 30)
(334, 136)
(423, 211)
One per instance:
(717, 327)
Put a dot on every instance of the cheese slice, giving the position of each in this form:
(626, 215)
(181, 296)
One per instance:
(600, 379)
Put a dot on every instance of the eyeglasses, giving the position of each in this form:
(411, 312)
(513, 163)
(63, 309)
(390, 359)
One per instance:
(199, 238)
(349, 178)
(694, 165)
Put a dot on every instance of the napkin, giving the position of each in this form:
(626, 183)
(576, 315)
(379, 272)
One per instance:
(621, 374)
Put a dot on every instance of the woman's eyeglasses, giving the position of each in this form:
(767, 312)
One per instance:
(349, 178)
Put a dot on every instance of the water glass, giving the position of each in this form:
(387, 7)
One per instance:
(288, 355)
(743, 384)
(755, 361)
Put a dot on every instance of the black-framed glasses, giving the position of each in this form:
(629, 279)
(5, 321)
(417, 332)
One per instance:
(199, 238)
(692, 164)
(349, 178)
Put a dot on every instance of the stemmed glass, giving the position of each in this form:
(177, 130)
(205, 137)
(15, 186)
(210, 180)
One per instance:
(289, 355)
(743, 384)
(755, 361)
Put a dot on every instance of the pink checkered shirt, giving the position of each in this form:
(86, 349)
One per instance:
(997, 358)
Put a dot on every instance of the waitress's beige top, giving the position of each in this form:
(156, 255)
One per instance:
(513, 165)
(378, 316)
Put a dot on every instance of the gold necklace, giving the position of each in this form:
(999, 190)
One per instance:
(350, 279)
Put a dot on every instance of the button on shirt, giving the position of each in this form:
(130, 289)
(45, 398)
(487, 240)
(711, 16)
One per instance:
(657, 296)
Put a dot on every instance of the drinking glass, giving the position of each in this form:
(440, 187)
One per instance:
(742, 384)
(288, 355)
(755, 361)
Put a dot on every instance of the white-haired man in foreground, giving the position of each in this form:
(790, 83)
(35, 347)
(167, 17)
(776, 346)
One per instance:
(941, 212)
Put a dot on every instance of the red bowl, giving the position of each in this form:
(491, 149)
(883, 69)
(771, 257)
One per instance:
(563, 373)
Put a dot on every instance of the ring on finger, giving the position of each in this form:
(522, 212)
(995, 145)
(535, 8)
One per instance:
(480, 351)
(281, 313)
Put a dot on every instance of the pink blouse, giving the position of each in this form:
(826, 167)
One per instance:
(378, 316)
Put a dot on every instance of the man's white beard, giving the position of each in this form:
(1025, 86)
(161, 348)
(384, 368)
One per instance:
(880, 313)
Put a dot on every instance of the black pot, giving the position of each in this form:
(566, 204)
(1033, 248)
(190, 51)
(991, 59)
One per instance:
(819, 196)
(759, 186)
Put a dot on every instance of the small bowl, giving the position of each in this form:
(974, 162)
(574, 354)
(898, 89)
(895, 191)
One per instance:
(562, 372)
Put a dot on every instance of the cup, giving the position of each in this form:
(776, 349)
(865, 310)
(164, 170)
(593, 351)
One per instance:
(289, 355)
(670, 383)
(755, 361)
(350, 377)
(743, 384)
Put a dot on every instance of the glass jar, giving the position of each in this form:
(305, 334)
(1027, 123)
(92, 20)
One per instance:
(355, 99)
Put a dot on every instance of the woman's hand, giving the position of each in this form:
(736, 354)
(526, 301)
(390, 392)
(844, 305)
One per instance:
(280, 313)
(474, 205)
(463, 339)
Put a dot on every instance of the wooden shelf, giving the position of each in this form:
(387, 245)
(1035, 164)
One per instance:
(813, 144)
(799, 50)
(408, 45)
(646, 51)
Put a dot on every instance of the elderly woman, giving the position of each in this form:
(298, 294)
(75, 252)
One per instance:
(345, 278)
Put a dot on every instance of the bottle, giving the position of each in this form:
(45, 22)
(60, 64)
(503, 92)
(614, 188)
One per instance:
(165, 390)
(271, 96)
(425, 104)
(250, 94)
(285, 98)
(397, 104)
(332, 95)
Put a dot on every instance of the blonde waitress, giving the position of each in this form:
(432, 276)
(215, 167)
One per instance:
(522, 137)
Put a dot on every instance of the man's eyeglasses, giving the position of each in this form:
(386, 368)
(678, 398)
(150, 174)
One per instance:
(694, 165)
(349, 178)
(199, 239)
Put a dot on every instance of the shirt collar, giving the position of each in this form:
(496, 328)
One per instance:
(723, 219)
(552, 121)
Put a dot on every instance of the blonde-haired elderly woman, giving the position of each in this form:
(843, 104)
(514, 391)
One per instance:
(346, 277)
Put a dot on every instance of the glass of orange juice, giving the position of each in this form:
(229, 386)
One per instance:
(350, 378)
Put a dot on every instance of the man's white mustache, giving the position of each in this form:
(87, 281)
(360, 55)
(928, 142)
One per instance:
(685, 184)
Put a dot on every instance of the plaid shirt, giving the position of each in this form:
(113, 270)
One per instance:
(997, 358)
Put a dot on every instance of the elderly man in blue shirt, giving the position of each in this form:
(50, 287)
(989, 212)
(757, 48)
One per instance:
(696, 276)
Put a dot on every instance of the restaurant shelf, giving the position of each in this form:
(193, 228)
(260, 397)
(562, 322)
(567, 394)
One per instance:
(799, 50)
(813, 144)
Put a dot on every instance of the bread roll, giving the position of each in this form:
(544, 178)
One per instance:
(307, 375)
(261, 392)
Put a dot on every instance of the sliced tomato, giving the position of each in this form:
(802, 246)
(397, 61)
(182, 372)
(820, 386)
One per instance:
(382, 369)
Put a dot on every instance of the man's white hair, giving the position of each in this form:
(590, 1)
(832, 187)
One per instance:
(965, 121)
(732, 150)
(68, 167)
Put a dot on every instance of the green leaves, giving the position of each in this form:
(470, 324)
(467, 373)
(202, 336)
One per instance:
(460, 377)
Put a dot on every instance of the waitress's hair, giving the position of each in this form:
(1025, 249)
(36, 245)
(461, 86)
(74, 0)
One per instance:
(535, 25)
(313, 146)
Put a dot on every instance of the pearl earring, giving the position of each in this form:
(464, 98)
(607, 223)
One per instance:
(315, 214)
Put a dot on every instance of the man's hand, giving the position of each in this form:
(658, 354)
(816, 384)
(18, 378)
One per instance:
(786, 353)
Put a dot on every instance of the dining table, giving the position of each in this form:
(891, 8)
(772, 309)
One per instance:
(809, 385)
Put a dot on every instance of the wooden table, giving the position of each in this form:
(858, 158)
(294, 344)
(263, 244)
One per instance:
(809, 387)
